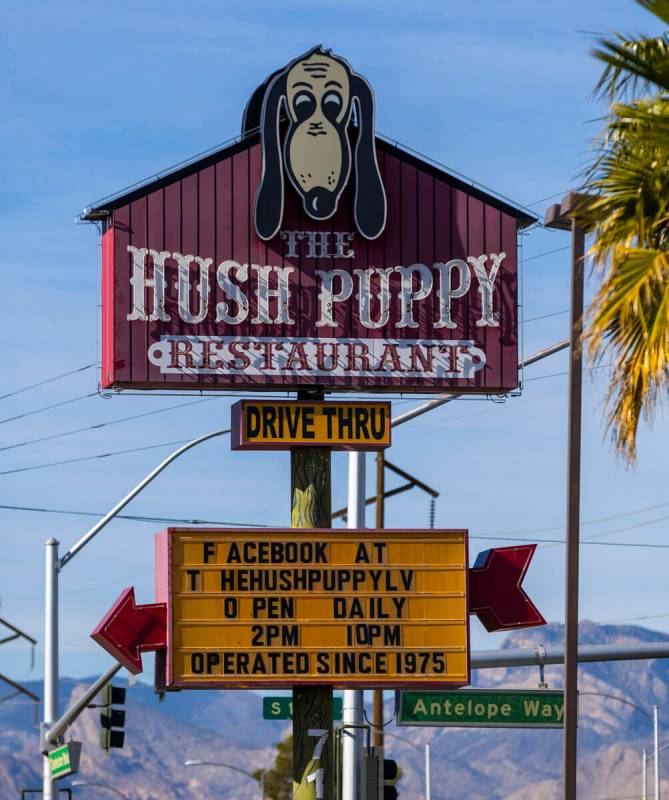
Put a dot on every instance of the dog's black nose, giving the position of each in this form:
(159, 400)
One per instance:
(320, 202)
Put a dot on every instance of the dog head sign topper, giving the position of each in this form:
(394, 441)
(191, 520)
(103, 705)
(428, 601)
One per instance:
(318, 91)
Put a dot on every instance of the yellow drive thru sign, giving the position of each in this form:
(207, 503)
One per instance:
(284, 424)
(276, 608)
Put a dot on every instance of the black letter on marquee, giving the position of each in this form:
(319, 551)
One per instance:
(362, 556)
(197, 663)
(193, 573)
(209, 550)
(233, 554)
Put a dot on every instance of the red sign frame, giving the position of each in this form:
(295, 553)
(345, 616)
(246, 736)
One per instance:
(321, 283)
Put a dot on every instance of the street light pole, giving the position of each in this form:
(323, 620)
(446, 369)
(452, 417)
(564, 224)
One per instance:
(564, 217)
(644, 777)
(50, 655)
(101, 786)
(54, 565)
(351, 756)
(196, 762)
(427, 759)
(656, 746)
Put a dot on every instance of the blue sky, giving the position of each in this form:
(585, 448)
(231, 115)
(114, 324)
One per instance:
(95, 99)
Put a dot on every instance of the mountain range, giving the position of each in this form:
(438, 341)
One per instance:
(466, 763)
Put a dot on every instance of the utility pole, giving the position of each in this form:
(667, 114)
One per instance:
(564, 217)
(312, 705)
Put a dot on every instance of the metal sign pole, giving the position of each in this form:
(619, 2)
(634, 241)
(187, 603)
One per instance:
(50, 655)
(313, 751)
(573, 515)
(351, 760)
(656, 745)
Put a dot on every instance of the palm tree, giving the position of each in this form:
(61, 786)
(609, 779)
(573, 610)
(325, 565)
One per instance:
(628, 323)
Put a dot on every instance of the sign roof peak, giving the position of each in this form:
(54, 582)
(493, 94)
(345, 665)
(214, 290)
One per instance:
(103, 207)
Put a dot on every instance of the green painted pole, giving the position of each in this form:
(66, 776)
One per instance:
(313, 750)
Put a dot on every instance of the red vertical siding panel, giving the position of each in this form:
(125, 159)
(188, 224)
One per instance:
(443, 243)
(263, 254)
(392, 240)
(375, 259)
(138, 329)
(155, 237)
(347, 315)
(460, 249)
(172, 238)
(223, 238)
(240, 237)
(122, 295)
(190, 246)
(476, 246)
(426, 308)
(107, 367)
(508, 302)
(493, 335)
(206, 248)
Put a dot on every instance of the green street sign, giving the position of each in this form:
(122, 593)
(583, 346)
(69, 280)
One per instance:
(482, 708)
(64, 760)
(282, 708)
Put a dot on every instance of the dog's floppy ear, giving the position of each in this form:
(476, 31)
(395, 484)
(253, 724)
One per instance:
(269, 199)
(253, 110)
(370, 197)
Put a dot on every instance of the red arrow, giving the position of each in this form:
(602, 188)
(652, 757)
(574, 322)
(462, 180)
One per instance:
(127, 630)
(496, 595)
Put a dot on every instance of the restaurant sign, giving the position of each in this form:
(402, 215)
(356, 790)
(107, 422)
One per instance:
(310, 253)
(339, 608)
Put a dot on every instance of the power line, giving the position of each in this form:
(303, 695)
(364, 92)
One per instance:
(48, 380)
(592, 521)
(91, 458)
(647, 545)
(99, 425)
(546, 316)
(195, 521)
(47, 408)
(550, 197)
(135, 517)
(547, 253)
(631, 619)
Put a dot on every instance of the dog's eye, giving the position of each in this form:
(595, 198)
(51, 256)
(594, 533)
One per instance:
(304, 105)
(331, 103)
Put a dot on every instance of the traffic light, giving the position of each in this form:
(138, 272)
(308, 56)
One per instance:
(379, 775)
(390, 774)
(112, 720)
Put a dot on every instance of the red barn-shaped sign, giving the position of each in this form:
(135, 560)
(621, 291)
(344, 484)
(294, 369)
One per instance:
(310, 253)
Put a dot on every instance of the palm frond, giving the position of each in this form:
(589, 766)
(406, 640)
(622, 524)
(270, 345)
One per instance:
(632, 66)
(660, 8)
(629, 326)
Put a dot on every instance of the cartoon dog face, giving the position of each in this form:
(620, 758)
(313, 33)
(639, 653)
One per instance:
(318, 91)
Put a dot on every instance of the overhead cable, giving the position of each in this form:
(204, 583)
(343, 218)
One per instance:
(48, 380)
(91, 458)
(136, 517)
(196, 521)
(47, 408)
(99, 425)
(547, 253)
